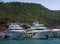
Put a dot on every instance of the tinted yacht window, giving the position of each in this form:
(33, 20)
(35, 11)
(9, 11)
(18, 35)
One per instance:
(39, 29)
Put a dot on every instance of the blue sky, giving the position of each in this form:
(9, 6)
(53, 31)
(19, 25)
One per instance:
(50, 4)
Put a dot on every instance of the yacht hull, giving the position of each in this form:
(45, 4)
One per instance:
(36, 34)
(16, 35)
(45, 34)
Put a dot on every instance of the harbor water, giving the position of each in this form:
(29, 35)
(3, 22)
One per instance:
(32, 41)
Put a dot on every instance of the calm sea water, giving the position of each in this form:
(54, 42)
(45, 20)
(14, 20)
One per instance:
(36, 41)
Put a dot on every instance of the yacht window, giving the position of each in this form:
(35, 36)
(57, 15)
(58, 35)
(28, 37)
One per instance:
(16, 26)
(29, 33)
(39, 29)
(12, 26)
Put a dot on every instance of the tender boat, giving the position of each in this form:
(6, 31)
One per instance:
(56, 33)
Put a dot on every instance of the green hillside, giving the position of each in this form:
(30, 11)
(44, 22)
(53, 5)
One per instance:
(28, 12)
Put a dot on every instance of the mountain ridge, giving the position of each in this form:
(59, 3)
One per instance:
(28, 12)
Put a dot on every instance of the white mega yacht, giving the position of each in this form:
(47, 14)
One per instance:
(15, 31)
(38, 31)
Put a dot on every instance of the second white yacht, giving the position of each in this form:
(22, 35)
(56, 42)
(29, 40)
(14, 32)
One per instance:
(38, 31)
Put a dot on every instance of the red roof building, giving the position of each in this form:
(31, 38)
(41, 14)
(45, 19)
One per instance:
(2, 28)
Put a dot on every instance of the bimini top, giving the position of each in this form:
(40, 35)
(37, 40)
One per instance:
(14, 26)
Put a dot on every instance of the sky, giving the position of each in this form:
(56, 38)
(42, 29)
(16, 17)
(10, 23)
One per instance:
(50, 4)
